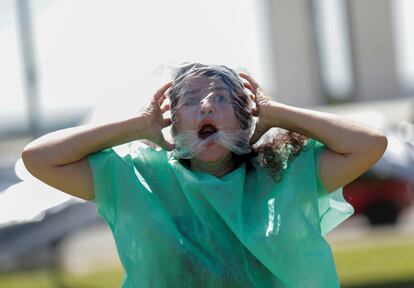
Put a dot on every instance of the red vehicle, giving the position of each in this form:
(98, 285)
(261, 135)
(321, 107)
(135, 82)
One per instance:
(381, 200)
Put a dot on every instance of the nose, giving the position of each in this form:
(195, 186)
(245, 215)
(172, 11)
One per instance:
(206, 107)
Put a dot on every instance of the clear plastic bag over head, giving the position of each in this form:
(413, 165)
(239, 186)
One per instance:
(209, 103)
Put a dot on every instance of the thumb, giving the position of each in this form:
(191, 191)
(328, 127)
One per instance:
(166, 145)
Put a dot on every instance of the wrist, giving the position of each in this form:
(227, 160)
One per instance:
(137, 127)
(271, 113)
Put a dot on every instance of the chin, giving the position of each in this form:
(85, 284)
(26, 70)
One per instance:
(213, 153)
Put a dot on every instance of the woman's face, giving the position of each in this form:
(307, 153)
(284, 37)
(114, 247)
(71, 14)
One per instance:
(205, 106)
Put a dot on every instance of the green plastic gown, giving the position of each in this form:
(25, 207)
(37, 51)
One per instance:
(177, 228)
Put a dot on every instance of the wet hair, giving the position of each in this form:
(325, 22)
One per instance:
(273, 154)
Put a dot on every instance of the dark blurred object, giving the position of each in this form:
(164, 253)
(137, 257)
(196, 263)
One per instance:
(36, 243)
(381, 200)
(387, 189)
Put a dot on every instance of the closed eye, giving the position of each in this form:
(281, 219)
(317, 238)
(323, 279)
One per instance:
(190, 100)
(221, 99)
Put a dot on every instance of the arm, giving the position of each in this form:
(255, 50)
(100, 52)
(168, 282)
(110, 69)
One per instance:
(59, 158)
(352, 147)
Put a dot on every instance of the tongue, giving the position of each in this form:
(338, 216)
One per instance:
(205, 134)
(206, 131)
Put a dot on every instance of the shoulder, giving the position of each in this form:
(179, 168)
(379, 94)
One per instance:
(139, 153)
(127, 157)
(278, 161)
(306, 162)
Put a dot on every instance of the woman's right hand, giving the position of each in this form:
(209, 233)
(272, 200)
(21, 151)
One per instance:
(154, 119)
(59, 158)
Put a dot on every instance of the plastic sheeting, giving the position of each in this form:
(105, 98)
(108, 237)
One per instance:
(198, 92)
(174, 227)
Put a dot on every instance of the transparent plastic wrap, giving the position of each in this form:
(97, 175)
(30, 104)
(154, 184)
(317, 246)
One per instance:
(213, 106)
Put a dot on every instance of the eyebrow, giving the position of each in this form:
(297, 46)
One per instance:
(198, 90)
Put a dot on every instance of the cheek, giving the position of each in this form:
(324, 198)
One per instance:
(230, 118)
(185, 120)
(235, 123)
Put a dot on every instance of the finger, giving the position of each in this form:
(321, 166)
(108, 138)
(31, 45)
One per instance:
(161, 100)
(260, 91)
(166, 122)
(166, 145)
(247, 77)
(250, 79)
(160, 92)
(165, 108)
(255, 111)
(251, 91)
(249, 86)
(253, 97)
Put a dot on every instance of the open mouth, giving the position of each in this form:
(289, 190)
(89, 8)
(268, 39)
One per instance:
(206, 131)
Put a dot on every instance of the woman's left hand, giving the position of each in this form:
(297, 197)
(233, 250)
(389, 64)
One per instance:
(262, 106)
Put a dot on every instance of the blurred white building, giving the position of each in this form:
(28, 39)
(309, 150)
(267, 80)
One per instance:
(102, 55)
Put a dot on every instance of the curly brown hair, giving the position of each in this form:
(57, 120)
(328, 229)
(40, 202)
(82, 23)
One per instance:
(274, 154)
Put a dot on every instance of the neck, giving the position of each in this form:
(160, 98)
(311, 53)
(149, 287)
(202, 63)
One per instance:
(218, 168)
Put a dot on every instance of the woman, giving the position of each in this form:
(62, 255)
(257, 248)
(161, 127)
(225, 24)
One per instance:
(215, 211)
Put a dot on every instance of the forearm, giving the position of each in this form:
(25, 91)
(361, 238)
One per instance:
(70, 145)
(338, 133)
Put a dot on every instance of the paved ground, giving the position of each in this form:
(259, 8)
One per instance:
(89, 251)
(355, 229)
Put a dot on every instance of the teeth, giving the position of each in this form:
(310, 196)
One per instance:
(208, 128)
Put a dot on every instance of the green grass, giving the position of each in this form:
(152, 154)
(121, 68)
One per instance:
(44, 279)
(380, 261)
